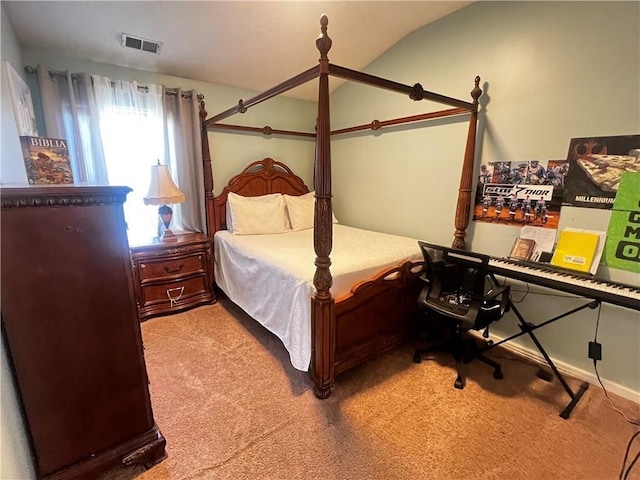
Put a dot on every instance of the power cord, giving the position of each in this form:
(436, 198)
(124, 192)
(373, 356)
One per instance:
(523, 296)
(624, 474)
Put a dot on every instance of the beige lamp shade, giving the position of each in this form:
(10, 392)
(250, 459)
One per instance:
(162, 190)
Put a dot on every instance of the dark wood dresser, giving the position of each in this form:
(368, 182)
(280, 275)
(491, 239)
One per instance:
(173, 276)
(71, 329)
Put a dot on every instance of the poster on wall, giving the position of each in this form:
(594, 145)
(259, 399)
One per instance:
(622, 249)
(596, 165)
(521, 192)
(21, 102)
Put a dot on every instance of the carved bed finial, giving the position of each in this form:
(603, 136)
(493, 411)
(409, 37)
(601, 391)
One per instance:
(477, 91)
(203, 112)
(323, 42)
(417, 93)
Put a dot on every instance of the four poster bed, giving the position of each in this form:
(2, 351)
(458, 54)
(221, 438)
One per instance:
(377, 312)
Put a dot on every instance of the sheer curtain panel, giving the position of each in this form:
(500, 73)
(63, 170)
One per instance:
(131, 126)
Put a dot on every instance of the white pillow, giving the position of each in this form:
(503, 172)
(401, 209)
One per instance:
(256, 215)
(300, 209)
(229, 220)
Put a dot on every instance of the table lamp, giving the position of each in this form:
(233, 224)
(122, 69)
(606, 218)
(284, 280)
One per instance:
(162, 191)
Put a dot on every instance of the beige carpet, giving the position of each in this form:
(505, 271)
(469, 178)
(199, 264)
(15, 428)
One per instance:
(231, 407)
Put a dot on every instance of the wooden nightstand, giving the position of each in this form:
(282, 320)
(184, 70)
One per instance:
(173, 276)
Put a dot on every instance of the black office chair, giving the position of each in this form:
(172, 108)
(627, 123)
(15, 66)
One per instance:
(455, 293)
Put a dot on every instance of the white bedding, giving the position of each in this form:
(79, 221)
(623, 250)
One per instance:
(271, 276)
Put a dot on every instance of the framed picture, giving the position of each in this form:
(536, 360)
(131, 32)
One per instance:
(21, 102)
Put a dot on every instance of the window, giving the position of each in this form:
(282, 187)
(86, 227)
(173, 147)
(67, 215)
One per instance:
(132, 132)
(117, 130)
(133, 141)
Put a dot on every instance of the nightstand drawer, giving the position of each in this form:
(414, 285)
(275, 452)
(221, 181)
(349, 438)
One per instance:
(163, 268)
(173, 293)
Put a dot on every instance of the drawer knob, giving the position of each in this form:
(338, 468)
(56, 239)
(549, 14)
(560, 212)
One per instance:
(174, 270)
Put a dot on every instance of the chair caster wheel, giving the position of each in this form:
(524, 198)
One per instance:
(417, 358)
(459, 383)
(497, 374)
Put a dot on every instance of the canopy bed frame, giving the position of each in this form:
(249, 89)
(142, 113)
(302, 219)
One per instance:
(376, 315)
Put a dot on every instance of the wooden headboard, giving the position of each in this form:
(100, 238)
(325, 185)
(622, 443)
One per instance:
(258, 178)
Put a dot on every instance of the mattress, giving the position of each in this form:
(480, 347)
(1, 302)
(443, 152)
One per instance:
(271, 276)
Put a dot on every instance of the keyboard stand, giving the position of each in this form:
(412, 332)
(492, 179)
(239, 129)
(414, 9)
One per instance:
(528, 329)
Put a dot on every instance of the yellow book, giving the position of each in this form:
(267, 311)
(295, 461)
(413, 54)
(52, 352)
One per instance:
(575, 250)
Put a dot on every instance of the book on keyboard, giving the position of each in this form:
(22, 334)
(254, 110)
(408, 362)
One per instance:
(522, 248)
(578, 250)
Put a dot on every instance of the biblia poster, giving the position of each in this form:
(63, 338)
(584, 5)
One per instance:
(46, 160)
(521, 193)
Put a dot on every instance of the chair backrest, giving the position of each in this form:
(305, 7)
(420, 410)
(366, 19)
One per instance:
(455, 282)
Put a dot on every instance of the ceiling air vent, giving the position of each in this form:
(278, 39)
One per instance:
(138, 43)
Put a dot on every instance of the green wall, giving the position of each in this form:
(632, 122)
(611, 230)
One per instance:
(15, 460)
(551, 71)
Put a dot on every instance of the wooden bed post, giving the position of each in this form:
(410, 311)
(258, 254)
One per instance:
(208, 173)
(209, 206)
(323, 323)
(464, 192)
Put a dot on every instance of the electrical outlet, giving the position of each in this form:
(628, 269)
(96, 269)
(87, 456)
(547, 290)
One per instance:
(595, 351)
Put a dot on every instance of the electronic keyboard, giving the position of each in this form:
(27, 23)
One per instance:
(577, 283)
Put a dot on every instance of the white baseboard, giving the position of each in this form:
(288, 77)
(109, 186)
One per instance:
(571, 370)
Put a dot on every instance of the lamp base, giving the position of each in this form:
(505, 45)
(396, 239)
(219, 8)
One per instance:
(168, 236)
(166, 214)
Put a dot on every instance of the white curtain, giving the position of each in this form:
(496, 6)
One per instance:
(131, 127)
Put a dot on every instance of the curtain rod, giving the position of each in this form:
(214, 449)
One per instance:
(168, 91)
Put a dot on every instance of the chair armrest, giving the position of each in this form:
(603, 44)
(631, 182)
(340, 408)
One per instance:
(499, 290)
(503, 292)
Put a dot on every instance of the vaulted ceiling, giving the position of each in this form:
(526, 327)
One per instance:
(247, 44)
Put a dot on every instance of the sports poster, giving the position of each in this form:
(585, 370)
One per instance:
(521, 193)
(596, 165)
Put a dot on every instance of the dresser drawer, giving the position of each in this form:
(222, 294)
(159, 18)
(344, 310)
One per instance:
(173, 293)
(172, 267)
